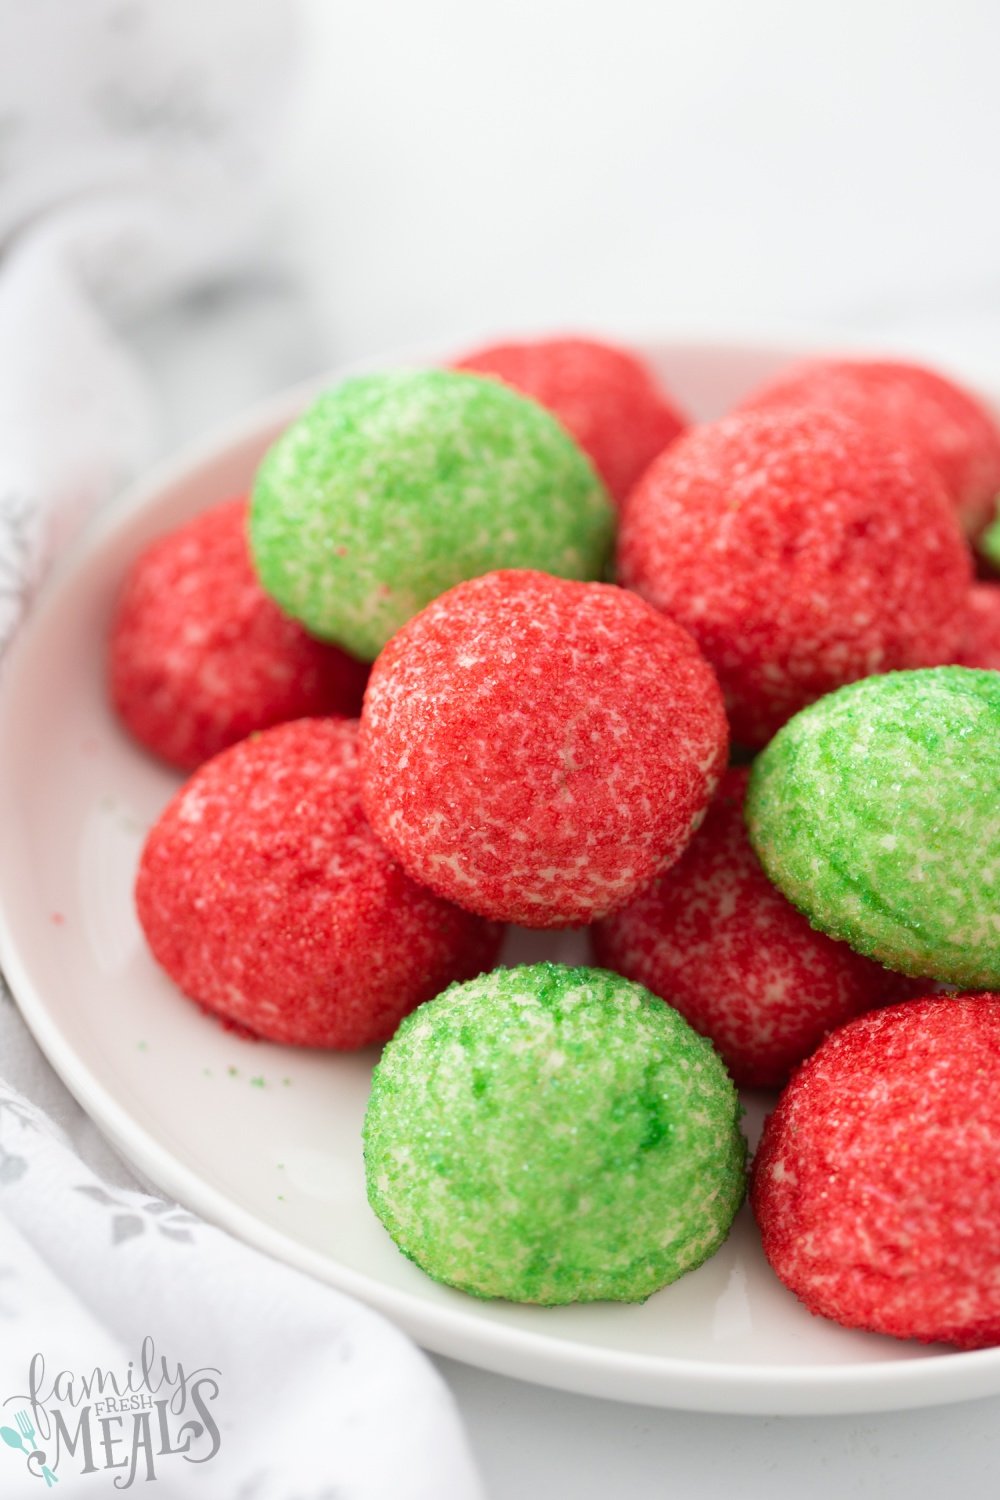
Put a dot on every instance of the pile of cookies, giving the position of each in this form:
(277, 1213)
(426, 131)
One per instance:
(761, 767)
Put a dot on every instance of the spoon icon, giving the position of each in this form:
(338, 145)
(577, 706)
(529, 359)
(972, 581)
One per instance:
(15, 1440)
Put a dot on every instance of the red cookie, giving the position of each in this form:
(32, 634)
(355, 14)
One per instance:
(536, 749)
(200, 657)
(907, 404)
(802, 553)
(720, 943)
(877, 1181)
(605, 396)
(266, 897)
(981, 639)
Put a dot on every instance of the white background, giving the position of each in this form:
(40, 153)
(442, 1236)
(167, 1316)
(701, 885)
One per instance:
(722, 167)
(714, 164)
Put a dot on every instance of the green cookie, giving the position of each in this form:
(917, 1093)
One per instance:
(876, 811)
(553, 1135)
(393, 488)
(989, 542)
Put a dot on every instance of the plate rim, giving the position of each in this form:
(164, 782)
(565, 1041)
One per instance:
(640, 1378)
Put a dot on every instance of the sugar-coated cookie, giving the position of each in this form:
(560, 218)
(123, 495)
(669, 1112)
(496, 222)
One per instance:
(393, 487)
(877, 813)
(877, 1181)
(552, 1135)
(923, 409)
(537, 749)
(266, 897)
(802, 552)
(200, 657)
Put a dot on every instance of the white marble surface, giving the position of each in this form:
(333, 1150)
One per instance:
(533, 1443)
(712, 166)
(717, 168)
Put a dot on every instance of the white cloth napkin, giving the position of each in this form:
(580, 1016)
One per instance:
(136, 143)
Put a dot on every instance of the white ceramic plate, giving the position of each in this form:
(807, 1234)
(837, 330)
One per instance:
(265, 1140)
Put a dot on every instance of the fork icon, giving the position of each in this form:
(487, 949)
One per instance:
(27, 1433)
